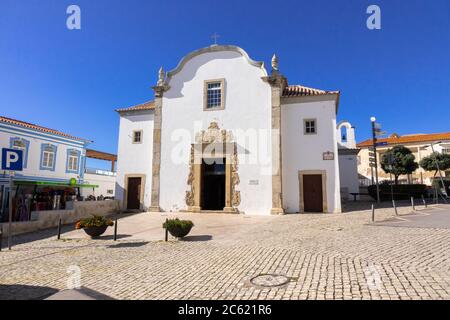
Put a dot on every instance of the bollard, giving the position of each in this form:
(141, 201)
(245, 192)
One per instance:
(424, 201)
(115, 228)
(1, 237)
(395, 208)
(59, 229)
(436, 198)
(167, 232)
(412, 204)
(373, 212)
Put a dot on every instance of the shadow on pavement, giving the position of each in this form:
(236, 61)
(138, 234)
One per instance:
(434, 219)
(24, 292)
(53, 231)
(351, 206)
(79, 294)
(198, 238)
(128, 245)
(111, 237)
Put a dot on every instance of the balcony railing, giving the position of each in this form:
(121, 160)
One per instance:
(101, 172)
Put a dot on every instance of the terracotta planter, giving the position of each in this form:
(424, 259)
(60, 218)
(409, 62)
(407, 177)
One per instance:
(95, 232)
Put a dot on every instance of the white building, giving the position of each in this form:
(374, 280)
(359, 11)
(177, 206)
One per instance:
(421, 146)
(224, 135)
(50, 158)
(104, 179)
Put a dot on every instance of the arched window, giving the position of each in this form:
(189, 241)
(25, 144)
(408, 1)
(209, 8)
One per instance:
(344, 134)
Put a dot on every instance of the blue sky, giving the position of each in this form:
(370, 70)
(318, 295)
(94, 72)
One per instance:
(73, 80)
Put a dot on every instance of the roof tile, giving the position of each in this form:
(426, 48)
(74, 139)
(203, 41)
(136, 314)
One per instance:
(39, 128)
(149, 105)
(299, 91)
(394, 139)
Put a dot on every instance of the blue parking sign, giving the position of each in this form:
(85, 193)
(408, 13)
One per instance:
(12, 159)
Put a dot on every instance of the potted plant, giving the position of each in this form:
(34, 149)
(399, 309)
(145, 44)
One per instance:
(94, 226)
(178, 228)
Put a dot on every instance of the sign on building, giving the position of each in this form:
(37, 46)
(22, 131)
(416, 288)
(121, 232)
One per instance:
(328, 155)
(12, 159)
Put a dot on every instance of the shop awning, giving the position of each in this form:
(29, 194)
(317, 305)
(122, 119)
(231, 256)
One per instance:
(53, 184)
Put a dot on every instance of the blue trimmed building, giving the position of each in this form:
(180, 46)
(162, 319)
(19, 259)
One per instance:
(50, 156)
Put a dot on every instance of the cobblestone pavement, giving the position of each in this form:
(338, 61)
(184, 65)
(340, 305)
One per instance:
(338, 256)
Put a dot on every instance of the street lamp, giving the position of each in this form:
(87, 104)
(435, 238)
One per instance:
(374, 146)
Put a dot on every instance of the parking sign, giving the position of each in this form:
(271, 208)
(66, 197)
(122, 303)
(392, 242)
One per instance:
(12, 159)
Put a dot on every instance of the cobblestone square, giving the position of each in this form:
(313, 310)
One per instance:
(336, 256)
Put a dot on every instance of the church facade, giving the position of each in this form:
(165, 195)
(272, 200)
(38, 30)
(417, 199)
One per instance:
(224, 135)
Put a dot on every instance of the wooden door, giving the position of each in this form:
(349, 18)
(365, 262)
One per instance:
(134, 193)
(312, 193)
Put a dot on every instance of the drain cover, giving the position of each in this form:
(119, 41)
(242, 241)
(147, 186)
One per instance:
(269, 280)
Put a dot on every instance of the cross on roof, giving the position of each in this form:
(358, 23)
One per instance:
(215, 36)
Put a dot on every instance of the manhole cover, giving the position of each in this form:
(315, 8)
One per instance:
(269, 280)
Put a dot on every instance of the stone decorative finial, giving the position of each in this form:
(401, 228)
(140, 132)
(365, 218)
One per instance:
(161, 76)
(275, 63)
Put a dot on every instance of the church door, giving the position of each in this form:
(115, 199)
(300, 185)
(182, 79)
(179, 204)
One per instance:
(213, 184)
(133, 193)
(312, 193)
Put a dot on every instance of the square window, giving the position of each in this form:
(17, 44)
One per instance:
(137, 136)
(310, 126)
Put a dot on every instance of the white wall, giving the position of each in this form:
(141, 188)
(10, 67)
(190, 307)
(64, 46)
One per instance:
(36, 139)
(348, 172)
(247, 106)
(305, 152)
(135, 158)
(104, 182)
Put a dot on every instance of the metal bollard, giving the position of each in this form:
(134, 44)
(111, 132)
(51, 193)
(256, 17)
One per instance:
(424, 201)
(115, 228)
(167, 232)
(1, 237)
(373, 212)
(412, 204)
(59, 229)
(395, 208)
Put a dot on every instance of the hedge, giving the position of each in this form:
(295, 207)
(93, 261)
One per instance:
(436, 183)
(401, 191)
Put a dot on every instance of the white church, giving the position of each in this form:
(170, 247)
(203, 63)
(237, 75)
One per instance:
(224, 135)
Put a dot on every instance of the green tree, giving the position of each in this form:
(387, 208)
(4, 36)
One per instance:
(429, 163)
(398, 160)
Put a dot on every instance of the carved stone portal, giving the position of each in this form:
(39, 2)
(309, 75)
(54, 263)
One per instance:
(221, 143)
(236, 195)
(190, 194)
(213, 135)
